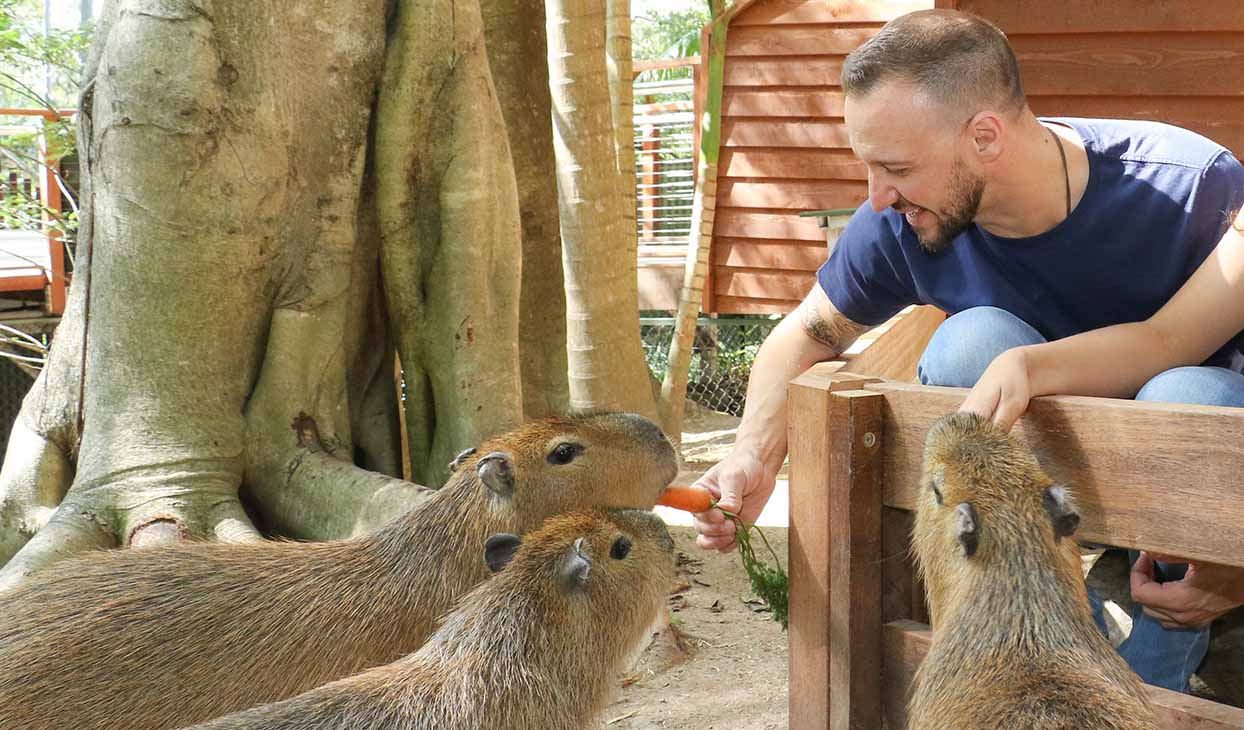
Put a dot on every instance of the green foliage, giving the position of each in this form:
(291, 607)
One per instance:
(668, 34)
(39, 69)
(769, 582)
(28, 58)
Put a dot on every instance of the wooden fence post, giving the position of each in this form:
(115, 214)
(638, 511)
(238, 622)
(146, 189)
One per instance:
(835, 552)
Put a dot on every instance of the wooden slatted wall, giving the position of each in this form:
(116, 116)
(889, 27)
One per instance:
(1177, 61)
(784, 147)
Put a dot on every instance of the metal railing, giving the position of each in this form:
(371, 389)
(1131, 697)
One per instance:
(665, 151)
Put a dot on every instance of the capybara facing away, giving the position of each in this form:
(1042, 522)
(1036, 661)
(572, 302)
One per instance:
(536, 648)
(1014, 643)
(164, 637)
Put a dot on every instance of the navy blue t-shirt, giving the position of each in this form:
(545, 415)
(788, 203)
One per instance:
(1158, 199)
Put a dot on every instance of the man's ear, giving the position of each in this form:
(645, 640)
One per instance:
(576, 566)
(499, 550)
(985, 132)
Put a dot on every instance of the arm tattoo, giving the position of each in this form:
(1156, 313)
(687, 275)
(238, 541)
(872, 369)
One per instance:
(836, 333)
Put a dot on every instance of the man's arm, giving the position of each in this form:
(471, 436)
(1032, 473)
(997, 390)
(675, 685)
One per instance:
(815, 332)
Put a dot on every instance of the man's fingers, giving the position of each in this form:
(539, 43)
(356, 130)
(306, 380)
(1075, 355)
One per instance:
(1144, 588)
(721, 544)
(1008, 412)
(982, 402)
(1162, 617)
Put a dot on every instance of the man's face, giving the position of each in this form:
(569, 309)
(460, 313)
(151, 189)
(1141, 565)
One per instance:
(916, 161)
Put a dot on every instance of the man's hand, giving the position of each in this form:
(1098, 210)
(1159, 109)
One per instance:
(1003, 391)
(1206, 592)
(742, 485)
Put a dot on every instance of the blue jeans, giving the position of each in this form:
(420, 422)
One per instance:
(957, 356)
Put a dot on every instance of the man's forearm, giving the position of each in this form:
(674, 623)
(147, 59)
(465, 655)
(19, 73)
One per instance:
(787, 352)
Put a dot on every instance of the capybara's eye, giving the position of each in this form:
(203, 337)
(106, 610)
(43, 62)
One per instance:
(937, 493)
(620, 549)
(564, 453)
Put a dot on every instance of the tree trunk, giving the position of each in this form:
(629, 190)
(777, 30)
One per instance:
(516, 53)
(622, 103)
(691, 297)
(228, 325)
(607, 368)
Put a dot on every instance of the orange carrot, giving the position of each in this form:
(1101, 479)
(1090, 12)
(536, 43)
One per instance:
(691, 499)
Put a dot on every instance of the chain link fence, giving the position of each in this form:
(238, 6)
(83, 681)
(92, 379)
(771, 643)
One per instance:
(721, 357)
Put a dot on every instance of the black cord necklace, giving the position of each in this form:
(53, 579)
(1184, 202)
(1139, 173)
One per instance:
(1066, 176)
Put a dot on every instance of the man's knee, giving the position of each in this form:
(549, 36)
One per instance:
(1208, 386)
(965, 344)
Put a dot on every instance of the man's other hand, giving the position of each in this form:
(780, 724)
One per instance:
(1206, 591)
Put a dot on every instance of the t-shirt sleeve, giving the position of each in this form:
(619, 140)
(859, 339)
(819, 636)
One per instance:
(1219, 196)
(867, 277)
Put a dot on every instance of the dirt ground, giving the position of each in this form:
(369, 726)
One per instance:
(723, 664)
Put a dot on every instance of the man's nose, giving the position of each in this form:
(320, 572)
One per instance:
(881, 194)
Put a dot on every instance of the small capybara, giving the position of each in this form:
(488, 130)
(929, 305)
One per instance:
(1014, 643)
(170, 636)
(536, 648)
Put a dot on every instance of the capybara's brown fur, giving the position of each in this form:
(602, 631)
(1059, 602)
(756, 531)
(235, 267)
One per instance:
(165, 637)
(536, 648)
(1014, 643)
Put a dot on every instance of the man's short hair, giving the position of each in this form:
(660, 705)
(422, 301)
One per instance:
(956, 58)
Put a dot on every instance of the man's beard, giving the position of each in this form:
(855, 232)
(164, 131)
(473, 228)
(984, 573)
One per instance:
(961, 207)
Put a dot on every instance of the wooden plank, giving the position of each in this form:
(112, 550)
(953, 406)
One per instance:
(791, 164)
(1094, 16)
(1181, 64)
(741, 223)
(905, 644)
(1155, 476)
(829, 463)
(792, 194)
(799, 40)
(788, 12)
(854, 495)
(1219, 118)
(784, 71)
(766, 254)
(812, 134)
(806, 102)
(895, 354)
(750, 305)
(762, 284)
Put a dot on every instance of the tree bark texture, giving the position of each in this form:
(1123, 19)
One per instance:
(516, 53)
(274, 197)
(607, 368)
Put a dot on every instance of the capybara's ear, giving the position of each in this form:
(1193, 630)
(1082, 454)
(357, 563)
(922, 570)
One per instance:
(1063, 515)
(576, 567)
(967, 525)
(496, 471)
(460, 458)
(499, 550)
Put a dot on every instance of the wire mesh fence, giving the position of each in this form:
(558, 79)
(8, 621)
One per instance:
(721, 356)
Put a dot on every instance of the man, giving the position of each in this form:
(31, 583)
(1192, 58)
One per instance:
(1023, 230)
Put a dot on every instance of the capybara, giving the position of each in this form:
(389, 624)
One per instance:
(165, 637)
(536, 648)
(1014, 643)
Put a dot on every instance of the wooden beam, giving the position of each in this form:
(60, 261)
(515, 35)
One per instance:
(1170, 473)
(895, 353)
(905, 644)
(835, 493)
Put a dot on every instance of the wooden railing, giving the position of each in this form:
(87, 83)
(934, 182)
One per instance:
(24, 264)
(1154, 476)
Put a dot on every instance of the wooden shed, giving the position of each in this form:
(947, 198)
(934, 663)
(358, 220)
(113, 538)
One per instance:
(783, 143)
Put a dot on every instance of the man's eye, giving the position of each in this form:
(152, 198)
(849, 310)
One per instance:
(900, 172)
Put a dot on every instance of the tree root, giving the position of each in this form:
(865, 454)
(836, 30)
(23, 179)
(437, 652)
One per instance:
(33, 481)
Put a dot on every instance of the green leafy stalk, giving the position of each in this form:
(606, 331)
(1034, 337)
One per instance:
(769, 582)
